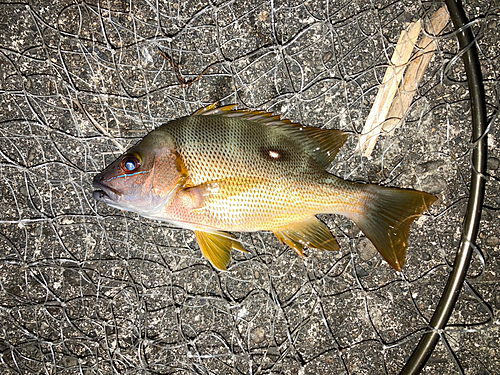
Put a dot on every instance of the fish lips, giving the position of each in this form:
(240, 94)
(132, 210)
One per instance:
(104, 193)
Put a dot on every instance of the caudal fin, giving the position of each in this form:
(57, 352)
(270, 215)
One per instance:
(388, 214)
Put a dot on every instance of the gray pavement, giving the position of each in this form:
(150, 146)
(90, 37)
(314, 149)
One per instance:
(88, 289)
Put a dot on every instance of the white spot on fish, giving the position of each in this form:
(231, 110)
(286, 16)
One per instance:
(274, 154)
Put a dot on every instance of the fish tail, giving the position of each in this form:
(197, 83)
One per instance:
(386, 216)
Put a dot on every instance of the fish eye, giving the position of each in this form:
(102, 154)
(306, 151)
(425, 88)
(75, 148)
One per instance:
(130, 164)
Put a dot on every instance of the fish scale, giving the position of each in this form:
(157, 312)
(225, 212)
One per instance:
(233, 147)
(222, 170)
(289, 191)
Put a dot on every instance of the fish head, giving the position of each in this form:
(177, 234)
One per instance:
(144, 178)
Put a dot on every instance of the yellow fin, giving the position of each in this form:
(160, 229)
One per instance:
(238, 246)
(217, 246)
(212, 109)
(310, 233)
(264, 117)
(206, 109)
(387, 217)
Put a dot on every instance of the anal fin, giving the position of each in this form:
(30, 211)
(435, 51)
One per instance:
(310, 233)
(217, 246)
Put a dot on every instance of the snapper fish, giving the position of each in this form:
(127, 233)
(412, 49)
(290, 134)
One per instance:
(223, 170)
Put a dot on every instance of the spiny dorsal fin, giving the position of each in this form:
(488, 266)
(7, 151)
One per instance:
(264, 117)
(212, 109)
(217, 246)
(309, 233)
(322, 144)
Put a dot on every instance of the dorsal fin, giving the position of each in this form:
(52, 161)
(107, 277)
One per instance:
(330, 141)
(211, 107)
(322, 144)
(264, 117)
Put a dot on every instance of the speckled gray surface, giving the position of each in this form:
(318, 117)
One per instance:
(88, 289)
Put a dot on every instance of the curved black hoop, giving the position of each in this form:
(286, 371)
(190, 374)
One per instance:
(471, 223)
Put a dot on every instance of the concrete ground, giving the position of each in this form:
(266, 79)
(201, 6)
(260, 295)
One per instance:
(88, 289)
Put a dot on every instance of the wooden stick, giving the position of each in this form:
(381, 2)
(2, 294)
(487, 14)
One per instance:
(397, 88)
(415, 71)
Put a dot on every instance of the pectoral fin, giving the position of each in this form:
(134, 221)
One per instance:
(196, 197)
(217, 246)
(309, 233)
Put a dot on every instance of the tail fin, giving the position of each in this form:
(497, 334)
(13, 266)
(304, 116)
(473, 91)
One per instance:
(388, 214)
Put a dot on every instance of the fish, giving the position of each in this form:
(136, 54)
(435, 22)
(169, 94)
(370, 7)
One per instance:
(224, 170)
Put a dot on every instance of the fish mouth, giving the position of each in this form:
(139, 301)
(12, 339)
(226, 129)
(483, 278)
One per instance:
(104, 193)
